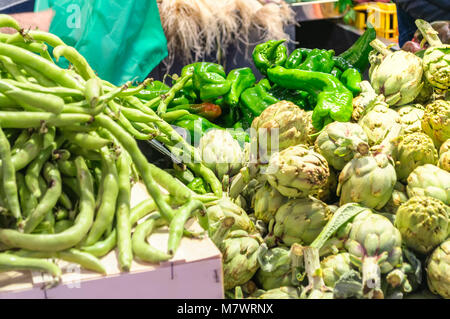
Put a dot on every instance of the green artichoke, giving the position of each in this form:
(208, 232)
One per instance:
(429, 180)
(266, 202)
(399, 75)
(413, 150)
(327, 193)
(239, 253)
(423, 222)
(297, 171)
(311, 130)
(334, 266)
(364, 102)
(279, 267)
(426, 94)
(436, 121)
(223, 208)
(398, 197)
(374, 245)
(221, 153)
(367, 179)
(410, 118)
(286, 292)
(444, 156)
(338, 143)
(438, 270)
(378, 122)
(279, 126)
(298, 221)
(436, 59)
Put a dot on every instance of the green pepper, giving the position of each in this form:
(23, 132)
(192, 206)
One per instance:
(240, 80)
(336, 72)
(154, 89)
(298, 97)
(179, 99)
(254, 100)
(351, 78)
(209, 80)
(334, 100)
(295, 59)
(207, 110)
(197, 126)
(342, 63)
(319, 61)
(358, 54)
(269, 54)
(199, 186)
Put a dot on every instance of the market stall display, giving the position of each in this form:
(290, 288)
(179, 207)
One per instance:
(311, 182)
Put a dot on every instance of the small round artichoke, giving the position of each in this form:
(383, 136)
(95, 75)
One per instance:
(239, 257)
(221, 153)
(334, 266)
(423, 222)
(223, 208)
(398, 197)
(378, 122)
(444, 156)
(297, 171)
(299, 221)
(368, 180)
(438, 270)
(436, 121)
(339, 142)
(410, 118)
(398, 77)
(429, 180)
(279, 126)
(266, 202)
(413, 150)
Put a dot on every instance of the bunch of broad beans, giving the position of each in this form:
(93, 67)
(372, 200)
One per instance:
(69, 158)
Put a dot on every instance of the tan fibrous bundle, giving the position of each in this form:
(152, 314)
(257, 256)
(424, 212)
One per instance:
(196, 28)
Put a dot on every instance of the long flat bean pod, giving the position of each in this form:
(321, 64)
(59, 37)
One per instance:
(57, 90)
(85, 259)
(28, 202)
(68, 238)
(76, 59)
(36, 35)
(123, 213)
(35, 119)
(86, 140)
(24, 155)
(34, 170)
(9, 177)
(107, 209)
(12, 262)
(49, 199)
(14, 70)
(102, 247)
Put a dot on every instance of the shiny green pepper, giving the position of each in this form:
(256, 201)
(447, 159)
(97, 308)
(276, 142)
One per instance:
(334, 100)
(209, 80)
(240, 80)
(319, 61)
(269, 54)
(295, 59)
(351, 78)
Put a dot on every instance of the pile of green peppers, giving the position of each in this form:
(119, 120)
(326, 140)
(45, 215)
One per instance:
(205, 97)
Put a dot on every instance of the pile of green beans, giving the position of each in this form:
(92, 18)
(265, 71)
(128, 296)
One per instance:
(69, 158)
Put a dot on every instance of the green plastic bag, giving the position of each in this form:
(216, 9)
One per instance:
(121, 40)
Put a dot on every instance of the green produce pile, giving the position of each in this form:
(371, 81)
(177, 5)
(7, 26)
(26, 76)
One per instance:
(69, 158)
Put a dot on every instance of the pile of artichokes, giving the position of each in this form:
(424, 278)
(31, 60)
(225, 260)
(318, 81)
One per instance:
(357, 210)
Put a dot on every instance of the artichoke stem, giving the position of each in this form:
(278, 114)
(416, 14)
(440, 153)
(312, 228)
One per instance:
(428, 33)
(380, 47)
(296, 254)
(371, 277)
(222, 231)
(395, 278)
(313, 270)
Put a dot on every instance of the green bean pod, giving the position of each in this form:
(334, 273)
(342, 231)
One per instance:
(67, 168)
(35, 119)
(68, 238)
(86, 140)
(24, 155)
(176, 226)
(87, 154)
(76, 59)
(107, 208)
(72, 184)
(14, 70)
(22, 138)
(11, 262)
(103, 247)
(141, 210)
(7, 21)
(38, 78)
(36, 62)
(84, 259)
(9, 177)
(123, 227)
(28, 202)
(61, 213)
(49, 139)
(57, 90)
(36, 35)
(62, 225)
(49, 199)
(34, 170)
(93, 91)
(141, 248)
(65, 201)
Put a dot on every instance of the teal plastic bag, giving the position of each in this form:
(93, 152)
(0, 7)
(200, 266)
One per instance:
(121, 40)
